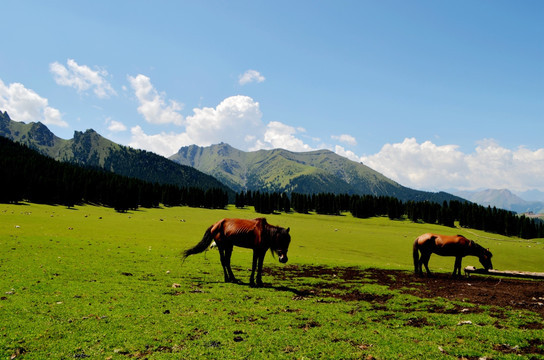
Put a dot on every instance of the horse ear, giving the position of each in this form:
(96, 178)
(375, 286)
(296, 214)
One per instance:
(288, 229)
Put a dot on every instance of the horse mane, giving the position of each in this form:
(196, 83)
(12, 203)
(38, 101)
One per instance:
(476, 249)
(479, 249)
(272, 232)
(270, 229)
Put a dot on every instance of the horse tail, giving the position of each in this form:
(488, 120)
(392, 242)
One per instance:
(415, 253)
(207, 239)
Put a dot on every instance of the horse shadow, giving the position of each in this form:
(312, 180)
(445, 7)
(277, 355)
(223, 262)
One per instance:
(296, 292)
(282, 288)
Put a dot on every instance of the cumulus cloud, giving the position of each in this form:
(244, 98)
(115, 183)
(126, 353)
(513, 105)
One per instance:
(165, 144)
(250, 76)
(153, 105)
(25, 105)
(279, 135)
(340, 150)
(434, 167)
(345, 138)
(115, 126)
(517, 170)
(237, 120)
(82, 78)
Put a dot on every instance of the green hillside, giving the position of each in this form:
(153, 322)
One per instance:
(34, 135)
(93, 283)
(91, 149)
(279, 170)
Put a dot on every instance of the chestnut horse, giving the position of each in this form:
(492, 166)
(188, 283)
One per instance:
(445, 245)
(254, 234)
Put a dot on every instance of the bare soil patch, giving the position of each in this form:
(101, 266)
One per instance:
(477, 289)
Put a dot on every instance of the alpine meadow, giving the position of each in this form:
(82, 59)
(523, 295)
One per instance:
(90, 282)
(297, 180)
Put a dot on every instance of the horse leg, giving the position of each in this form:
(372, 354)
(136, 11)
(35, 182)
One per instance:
(223, 262)
(457, 266)
(253, 267)
(222, 258)
(419, 266)
(260, 270)
(415, 252)
(425, 261)
(228, 253)
(258, 258)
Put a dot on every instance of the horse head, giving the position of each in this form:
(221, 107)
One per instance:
(485, 258)
(281, 244)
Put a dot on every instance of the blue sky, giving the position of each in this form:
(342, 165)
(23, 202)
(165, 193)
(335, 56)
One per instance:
(437, 95)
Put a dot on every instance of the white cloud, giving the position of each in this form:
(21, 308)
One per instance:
(82, 78)
(279, 135)
(115, 126)
(165, 144)
(237, 120)
(433, 167)
(250, 76)
(496, 167)
(345, 138)
(25, 105)
(346, 153)
(153, 106)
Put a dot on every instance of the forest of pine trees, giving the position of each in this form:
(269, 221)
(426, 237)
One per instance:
(26, 175)
(364, 206)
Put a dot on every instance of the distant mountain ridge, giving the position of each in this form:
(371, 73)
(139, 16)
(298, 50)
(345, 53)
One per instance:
(219, 166)
(532, 195)
(278, 170)
(503, 199)
(91, 149)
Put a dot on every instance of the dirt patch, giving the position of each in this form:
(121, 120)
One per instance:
(477, 289)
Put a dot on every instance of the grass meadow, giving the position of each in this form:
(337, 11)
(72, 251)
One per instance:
(92, 283)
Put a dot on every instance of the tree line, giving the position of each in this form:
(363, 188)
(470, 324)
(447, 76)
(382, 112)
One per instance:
(468, 214)
(28, 175)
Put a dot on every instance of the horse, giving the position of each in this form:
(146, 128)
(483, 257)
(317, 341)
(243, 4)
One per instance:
(254, 234)
(446, 245)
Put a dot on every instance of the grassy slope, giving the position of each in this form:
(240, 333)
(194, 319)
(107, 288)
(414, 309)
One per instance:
(32, 133)
(95, 282)
(275, 170)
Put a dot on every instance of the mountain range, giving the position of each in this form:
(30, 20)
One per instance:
(217, 166)
(91, 149)
(279, 170)
(222, 166)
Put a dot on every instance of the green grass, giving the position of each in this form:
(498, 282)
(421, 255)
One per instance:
(93, 282)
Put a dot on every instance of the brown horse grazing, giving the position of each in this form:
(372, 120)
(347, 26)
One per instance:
(254, 234)
(444, 245)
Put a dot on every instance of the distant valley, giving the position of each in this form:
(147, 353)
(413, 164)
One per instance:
(504, 199)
